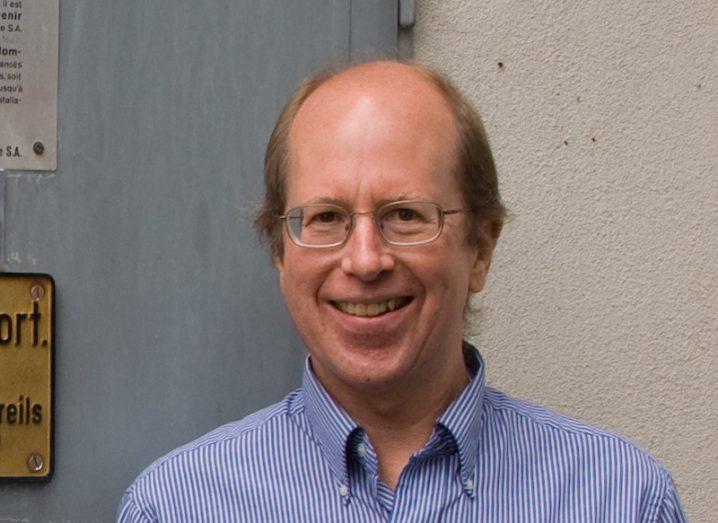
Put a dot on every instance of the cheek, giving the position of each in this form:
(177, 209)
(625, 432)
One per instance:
(296, 292)
(290, 279)
(458, 277)
(445, 277)
(301, 275)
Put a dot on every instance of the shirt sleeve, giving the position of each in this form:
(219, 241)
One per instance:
(130, 512)
(670, 510)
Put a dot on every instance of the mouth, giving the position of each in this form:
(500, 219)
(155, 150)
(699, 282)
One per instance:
(370, 310)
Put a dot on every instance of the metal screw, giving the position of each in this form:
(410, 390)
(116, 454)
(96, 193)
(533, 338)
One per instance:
(37, 291)
(35, 462)
(38, 147)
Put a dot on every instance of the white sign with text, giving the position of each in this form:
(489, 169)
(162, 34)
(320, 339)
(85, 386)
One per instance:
(28, 84)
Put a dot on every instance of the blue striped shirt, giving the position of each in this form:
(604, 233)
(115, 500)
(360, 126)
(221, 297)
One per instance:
(491, 458)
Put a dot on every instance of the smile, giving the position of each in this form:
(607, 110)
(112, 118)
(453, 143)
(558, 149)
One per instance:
(371, 309)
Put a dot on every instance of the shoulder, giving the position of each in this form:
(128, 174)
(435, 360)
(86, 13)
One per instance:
(510, 410)
(221, 453)
(583, 465)
(232, 433)
(566, 440)
(236, 433)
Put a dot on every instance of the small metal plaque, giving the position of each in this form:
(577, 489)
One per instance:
(28, 84)
(26, 374)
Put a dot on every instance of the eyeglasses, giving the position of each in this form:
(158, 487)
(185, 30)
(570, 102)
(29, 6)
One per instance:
(405, 222)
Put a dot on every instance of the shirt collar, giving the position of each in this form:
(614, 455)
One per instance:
(463, 418)
(334, 428)
(331, 425)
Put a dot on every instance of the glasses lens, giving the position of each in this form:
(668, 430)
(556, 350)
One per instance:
(318, 225)
(406, 223)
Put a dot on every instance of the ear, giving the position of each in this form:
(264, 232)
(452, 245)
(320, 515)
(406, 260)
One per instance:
(480, 269)
(279, 264)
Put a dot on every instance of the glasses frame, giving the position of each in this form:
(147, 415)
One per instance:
(375, 213)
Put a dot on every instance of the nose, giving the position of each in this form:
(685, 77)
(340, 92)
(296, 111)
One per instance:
(365, 254)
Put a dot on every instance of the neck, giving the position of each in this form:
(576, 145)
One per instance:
(399, 420)
(398, 431)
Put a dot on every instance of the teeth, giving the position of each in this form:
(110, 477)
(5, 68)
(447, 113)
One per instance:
(371, 309)
(375, 308)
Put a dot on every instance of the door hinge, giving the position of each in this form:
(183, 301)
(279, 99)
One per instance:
(406, 14)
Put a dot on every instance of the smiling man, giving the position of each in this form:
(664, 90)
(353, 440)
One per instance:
(382, 210)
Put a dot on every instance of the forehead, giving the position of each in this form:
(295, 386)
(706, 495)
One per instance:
(384, 127)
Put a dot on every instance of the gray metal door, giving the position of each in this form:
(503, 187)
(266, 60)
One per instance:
(169, 321)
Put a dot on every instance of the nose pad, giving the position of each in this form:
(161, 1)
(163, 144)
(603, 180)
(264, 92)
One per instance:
(366, 254)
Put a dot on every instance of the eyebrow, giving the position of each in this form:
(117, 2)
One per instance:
(322, 200)
(399, 197)
(340, 202)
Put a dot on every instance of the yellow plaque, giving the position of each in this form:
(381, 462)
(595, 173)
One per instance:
(26, 375)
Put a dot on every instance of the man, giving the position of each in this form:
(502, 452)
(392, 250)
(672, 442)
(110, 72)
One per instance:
(382, 210)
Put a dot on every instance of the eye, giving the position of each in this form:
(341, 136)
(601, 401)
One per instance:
(323, 217)
(406, 214)
(326, 217)
(403, 215)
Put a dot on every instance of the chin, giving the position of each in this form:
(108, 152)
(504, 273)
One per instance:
(369, 362)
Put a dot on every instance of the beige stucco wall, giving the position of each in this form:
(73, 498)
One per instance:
(603, 298)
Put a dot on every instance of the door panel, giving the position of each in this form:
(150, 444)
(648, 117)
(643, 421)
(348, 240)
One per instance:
(169, 320)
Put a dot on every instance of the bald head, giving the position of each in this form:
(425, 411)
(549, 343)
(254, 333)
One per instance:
(390, 99)
(376, 111)
(395, 92)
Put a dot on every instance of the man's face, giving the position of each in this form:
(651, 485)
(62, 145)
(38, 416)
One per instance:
(360, 143)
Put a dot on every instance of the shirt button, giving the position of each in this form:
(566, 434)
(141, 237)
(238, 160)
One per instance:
(343, 490)
(469, 484)
(361, 450)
